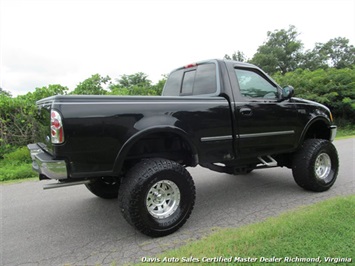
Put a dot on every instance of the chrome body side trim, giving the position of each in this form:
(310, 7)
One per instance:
(244, 136)
(217, 138)
(266, 134)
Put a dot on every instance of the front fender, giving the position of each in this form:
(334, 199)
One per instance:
(318, 127)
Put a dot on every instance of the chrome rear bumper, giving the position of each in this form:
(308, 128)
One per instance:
(45, 165)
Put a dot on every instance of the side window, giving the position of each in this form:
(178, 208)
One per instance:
(252, 85)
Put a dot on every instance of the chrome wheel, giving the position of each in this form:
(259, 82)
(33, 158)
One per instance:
(163, 199)
(323, 166)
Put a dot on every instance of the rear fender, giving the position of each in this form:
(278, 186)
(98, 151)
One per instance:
(124, 151)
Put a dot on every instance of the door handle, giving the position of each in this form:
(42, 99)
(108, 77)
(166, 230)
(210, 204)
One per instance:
(246, 111)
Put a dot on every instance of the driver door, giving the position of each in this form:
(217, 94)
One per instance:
(265, 125)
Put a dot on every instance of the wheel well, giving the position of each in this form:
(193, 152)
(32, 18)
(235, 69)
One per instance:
(318, 130)
(166, 145)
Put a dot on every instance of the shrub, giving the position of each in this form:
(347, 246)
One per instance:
(332, 87)
(12, 172)
(19, 156)
(16, 165)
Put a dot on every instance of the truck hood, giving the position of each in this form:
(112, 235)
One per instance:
(309, 102)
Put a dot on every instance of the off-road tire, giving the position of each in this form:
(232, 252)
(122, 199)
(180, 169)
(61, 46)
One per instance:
(104, 187)
(157, 196)
(315, 165)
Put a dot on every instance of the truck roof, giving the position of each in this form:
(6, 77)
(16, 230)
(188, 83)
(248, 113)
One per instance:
(226, 61)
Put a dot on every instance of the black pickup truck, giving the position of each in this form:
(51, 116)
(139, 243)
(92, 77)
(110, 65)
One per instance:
(224, 115)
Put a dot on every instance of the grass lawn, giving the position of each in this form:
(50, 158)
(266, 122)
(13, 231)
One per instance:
(323, 233)
(346, 132)
(16, 165)
(17, 171)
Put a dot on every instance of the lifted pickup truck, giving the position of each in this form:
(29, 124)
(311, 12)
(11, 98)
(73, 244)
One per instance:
(224, 115)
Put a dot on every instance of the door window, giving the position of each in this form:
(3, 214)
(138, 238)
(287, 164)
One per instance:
(253, 85)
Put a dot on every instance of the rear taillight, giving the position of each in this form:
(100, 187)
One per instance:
(57, 131)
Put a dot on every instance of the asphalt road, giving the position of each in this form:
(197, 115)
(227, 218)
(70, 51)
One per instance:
(71, 226)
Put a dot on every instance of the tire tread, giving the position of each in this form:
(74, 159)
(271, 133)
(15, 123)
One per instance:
(302, 168)
(133, 185)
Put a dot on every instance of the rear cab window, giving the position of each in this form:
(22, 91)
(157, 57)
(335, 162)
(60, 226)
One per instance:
(198, 79)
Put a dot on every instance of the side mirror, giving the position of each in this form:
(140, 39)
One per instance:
(287, 92)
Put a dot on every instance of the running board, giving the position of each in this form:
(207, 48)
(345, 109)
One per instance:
(270, 162)
(65, 184)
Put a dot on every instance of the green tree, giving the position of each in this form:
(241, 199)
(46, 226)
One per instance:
(136, 84)
(336, 53)
(340, 54)
(138, 79)
(158, 88)
(92, 86)
(3, 92)
(237, 56)
(314, 59)
(280, 53)
(44, 92)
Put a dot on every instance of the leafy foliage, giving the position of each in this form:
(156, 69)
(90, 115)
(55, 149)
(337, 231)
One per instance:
(137, 84)
(137, 79)
(3, 92)
(280, 53)
(92, 86)
(237, 56)
(40, 93)
(12, 172)
(18, 123)
(16, 165)
(332, 87)
(20, 155)
(335, 53)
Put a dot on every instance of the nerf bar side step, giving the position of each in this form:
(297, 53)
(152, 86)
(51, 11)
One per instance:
(65, 184)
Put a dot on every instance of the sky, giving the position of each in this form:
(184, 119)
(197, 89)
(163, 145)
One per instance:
(64, 42)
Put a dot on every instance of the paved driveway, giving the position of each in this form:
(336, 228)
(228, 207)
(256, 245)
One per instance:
(70, 226)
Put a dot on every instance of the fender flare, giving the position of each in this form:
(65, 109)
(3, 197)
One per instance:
(126, 147)
(311, 123)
